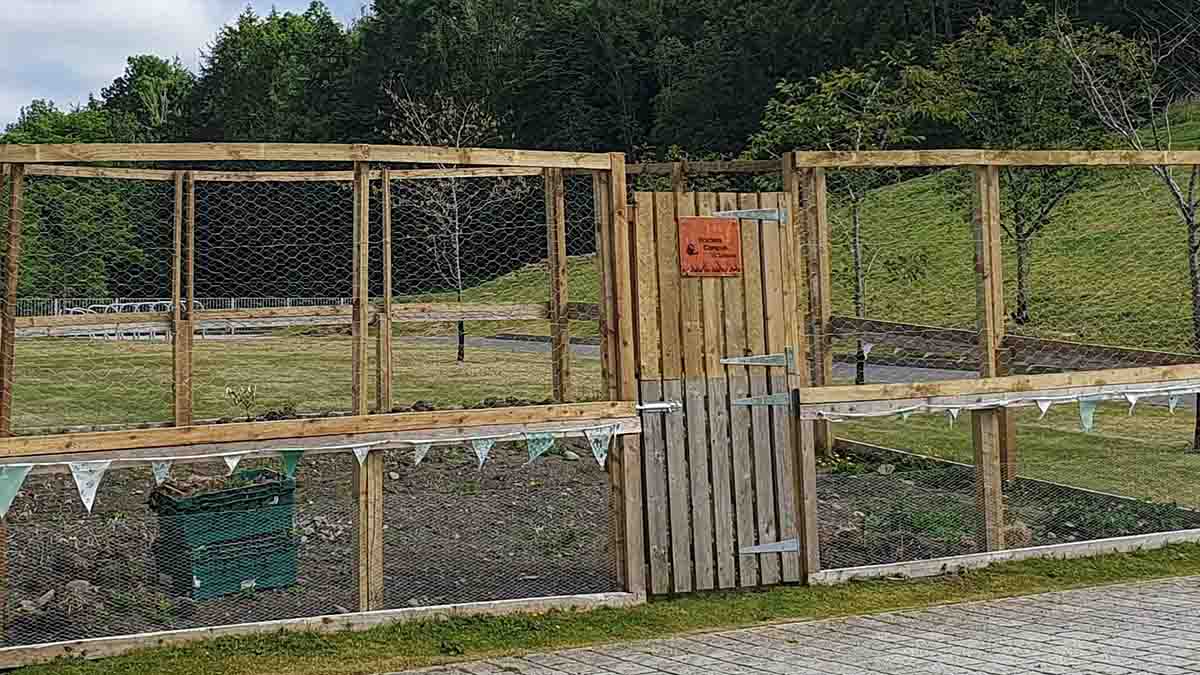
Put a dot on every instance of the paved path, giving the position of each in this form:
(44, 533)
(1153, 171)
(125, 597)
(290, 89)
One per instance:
(1137, 628)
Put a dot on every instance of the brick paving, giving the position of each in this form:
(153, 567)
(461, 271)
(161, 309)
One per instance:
(1149, 627)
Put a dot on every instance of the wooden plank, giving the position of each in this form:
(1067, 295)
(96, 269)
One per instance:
(601, 194)
(820, 288)
(805, 435)
(189, 243)
(695, 396)
(738, 381)
(756, 166)
(679, 179)
(948, 158)
(658, 506)
(669, 284)
(466, 172)
(628, 469)
(12, 271)
(649, 334)
(556, 262)
(359, 324)
(278, 176)
(717, 404)
(181, 327)
(383, 328)
(368, 496)
(777, 333)
(987, 425)
(424, 312)
(98, 172)
(97, 648)
(299, 152)
(766, 529)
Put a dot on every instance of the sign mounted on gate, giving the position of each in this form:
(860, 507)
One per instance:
(709, 247)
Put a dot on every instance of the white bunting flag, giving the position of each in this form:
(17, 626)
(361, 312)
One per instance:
(866, 349)
(1043, 405)
(905, 415)
(11, 479)
(1087, 414)
(1172, 403)
(232, 461)
(87, 479)
(539, 444)
(1133, 399)
(953, 414)
(420, 450)
(482, 446)
(600, 439)
(361, 453)
(162, 470)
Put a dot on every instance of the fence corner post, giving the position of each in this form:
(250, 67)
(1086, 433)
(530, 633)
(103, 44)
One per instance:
(988, 426)
(12, 268)
(556, 259)
(808, 190)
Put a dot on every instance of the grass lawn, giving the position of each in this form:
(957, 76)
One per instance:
(415, 645)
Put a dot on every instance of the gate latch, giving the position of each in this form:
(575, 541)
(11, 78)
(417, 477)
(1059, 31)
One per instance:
(660, 407)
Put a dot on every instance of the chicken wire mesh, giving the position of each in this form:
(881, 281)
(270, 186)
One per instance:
(84, 237)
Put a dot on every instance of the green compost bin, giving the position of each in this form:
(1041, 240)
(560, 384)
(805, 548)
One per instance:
(229, 540)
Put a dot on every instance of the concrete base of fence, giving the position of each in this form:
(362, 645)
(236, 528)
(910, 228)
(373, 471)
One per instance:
(95, 648)
(939, 566)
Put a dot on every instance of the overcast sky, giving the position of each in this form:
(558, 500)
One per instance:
(63, 49)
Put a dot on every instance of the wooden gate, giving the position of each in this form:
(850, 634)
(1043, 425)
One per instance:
(718, 476)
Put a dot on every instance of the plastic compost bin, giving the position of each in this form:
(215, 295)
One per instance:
(230, 540)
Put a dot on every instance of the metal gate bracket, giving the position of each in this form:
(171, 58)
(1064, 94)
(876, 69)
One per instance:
(777, 215)
(779, 360)
(785, 546)
(660, 407)
(783, 398)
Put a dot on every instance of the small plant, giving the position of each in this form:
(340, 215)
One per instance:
(244, 397)
(841, 463)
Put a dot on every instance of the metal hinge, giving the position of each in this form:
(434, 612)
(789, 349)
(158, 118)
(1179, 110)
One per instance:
(777, 215)
(770, 360)
(660, 407)
(785, 546)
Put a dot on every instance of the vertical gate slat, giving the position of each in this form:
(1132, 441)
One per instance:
(724, 536)
(739, 415)
(678, 474)
(777, 332)
(649, 373)
(760, 416)
(695, 395)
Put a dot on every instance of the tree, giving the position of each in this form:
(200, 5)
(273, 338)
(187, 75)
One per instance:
(43, 122)
(151, 97)
(1007, 84)
(446, 210)
(845, 109)
(1132, 86)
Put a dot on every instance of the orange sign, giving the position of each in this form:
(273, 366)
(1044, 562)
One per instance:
(710, 247)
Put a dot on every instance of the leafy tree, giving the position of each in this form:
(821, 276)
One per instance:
(1008, 85)
(43, 122)
(845, 109)
(151, 97)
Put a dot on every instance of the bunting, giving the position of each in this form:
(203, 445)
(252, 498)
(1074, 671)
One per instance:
(538, 444)
(419, 453)
(600, 439)
(11, 479)
(87, 477)
(482, 446)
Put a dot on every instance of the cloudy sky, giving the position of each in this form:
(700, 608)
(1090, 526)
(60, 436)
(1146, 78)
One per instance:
(64, 49)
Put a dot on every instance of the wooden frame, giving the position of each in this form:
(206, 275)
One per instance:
(383, 319)
(948, 158)
(12, 267)
(556, 263)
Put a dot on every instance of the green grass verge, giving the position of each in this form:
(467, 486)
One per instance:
(415, 645)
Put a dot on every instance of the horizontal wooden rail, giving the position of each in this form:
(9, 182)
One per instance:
(98, 172)
(942, 158)
(454, 311)
(22, 446)
(996, 385)
(762, 166)
(298, 152)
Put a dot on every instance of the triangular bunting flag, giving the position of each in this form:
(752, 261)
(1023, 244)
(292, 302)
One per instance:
(232, 461)
(419, 452)
(1087, 414)
(1172, 403)
(162, 470)
(11, 479)
(1133, 399)
(953, 412)
(600, 439)
(361, 453)
(290, 458)
(482, 446)
(87, 479)
(866, 349)
(905, 415)
(1043, 405)
(539, 444)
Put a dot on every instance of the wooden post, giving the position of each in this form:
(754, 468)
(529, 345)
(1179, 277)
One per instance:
(625, 463)
(608, 350)
(986, 424)
(816, 246)
(678, 180)
(368, 476)
(182, 288)
(383, 336)
(556, 260)
(12, 270)
(803, 434)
